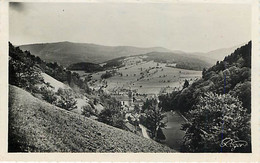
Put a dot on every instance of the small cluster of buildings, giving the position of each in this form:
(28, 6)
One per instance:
(130, 101)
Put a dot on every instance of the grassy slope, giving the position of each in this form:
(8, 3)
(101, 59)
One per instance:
(151, 83)
(37, 126)
(53, 82)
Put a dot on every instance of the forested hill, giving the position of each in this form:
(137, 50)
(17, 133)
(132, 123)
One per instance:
(67, 53)
(232, 75)
(26, 72)
(218, 106)
(25, 69)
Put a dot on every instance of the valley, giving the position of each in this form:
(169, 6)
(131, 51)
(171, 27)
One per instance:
(140, 79)
(130, 77)
(142, 95)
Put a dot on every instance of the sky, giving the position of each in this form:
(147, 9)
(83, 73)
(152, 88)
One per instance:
(187, 27)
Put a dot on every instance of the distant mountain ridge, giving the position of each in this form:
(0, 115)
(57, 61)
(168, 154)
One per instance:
(67, 53)
(220, 54)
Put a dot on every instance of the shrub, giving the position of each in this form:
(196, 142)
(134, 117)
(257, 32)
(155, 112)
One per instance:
(152, 117)
(66, 99)
(88, 111)
(160, 135)
(48, 95)
(215, 118)
(24, 75)
(106, 75)
(186, 84)
(95, 101)
(112, 114)
(243, 92)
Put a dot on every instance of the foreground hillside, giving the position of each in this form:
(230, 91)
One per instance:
(36, 126)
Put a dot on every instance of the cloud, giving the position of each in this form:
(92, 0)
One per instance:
(186, 27)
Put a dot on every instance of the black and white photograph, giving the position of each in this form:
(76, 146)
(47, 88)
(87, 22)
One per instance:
(129, 77)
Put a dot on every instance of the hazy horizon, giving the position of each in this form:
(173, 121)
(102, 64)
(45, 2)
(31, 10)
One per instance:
(183, 27)
(132, 46)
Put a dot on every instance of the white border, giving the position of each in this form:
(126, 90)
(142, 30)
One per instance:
(126, 157)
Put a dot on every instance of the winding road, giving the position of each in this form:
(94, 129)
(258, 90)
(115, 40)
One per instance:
(144, 131)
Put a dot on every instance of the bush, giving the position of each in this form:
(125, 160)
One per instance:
(186, 84)
(66, 99)
(106, 75)
(48, 95)
(112, 114)
(35, 89)
(24, 74)
(160, 135)
(88, 111)
(243, 92)
(95, 101)
(215, 118)
(152, 117)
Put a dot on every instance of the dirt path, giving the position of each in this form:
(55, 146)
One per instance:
(144, 131)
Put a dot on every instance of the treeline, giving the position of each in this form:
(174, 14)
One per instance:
(217, 106)
(85, 66)
(184, 61)
(92, 67)
(114, 63)
(25, 69)
(232, 75)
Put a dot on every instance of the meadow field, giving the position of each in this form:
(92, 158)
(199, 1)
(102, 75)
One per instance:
(142, 77)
